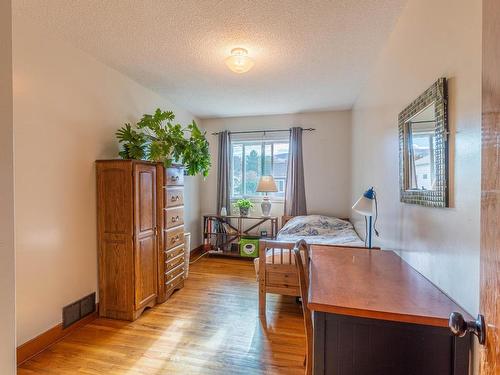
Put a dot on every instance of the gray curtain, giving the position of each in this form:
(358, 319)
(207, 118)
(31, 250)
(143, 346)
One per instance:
(223, 163)
(295, 193)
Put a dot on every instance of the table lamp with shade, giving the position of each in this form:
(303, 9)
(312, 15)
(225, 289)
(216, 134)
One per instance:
(366, 205)
(266, 185)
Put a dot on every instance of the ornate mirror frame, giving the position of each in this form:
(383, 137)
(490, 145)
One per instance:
(437, 94)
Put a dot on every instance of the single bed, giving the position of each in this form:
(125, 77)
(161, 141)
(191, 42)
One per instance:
(275, 267)
(315, 230)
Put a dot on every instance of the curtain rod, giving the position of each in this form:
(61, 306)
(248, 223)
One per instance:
(264, 131)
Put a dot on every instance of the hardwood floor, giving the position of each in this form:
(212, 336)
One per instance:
(211, 326)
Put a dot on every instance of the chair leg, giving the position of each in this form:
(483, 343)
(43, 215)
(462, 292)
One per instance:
(262, 304)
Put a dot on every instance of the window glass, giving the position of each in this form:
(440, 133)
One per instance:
(237, 170)
(252, 159)
(423, 174)
(280, 164)
(253, 167)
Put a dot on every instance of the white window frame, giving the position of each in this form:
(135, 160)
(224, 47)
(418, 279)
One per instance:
(244, 140)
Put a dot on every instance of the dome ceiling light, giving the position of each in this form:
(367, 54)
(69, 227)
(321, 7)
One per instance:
(239, 61)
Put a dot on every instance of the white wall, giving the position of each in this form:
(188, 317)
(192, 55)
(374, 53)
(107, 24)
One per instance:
(431, 39)
(7, 254)
(67, 107)
(326, 158)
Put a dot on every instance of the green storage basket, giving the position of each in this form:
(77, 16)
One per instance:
(249, 247)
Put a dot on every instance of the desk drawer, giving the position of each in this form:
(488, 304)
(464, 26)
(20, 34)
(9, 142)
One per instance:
(174, 237)
(174, 217)
(174, 196)
(175, 176)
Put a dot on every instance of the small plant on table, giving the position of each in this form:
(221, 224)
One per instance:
(244, 205)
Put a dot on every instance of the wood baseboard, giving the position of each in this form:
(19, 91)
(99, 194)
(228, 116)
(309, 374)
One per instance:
(198, 250)
(38, 344)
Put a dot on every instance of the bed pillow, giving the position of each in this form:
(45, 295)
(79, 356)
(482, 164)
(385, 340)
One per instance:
(314, 225)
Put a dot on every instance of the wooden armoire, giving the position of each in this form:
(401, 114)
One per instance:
(140, 235)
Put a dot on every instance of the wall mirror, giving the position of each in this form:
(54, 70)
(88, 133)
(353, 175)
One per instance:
(423, 148)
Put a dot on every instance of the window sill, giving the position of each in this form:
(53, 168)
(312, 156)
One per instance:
(259, 200)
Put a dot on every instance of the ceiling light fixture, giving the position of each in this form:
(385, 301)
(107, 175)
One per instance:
(239, 61)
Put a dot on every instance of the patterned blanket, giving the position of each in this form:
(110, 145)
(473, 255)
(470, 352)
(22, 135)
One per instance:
(320, 230)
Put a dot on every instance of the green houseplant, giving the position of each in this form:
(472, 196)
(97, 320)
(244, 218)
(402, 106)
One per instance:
(157, 138)
(244, 205)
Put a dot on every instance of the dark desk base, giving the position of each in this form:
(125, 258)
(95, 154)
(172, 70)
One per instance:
(345, 345)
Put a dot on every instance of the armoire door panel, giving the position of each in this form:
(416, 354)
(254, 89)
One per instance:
(146, 199)
(145, 233)
(146, 270)
(116, 265)
(115, 200)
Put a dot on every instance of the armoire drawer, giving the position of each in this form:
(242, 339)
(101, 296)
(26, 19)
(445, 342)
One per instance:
(175, 176)
(174, 237)
(169, 266)
(174, 196)
(173, 253)
(179, 270)
(173, 262)
(174, 282)
(174, 217)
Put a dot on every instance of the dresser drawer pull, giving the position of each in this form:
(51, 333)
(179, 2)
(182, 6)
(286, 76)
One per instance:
(175, 239)
(175, 219)
(174, 178)
(175, 199)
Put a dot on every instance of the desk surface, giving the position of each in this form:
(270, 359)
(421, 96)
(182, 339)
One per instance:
(375, 284)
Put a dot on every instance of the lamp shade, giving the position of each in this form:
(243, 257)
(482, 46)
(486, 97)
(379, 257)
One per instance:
(365, 205)
(266, 185)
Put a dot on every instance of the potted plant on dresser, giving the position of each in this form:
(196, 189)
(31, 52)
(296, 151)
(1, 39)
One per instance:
(157, 138)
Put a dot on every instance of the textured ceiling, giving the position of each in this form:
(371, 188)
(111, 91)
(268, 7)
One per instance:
(310, 55)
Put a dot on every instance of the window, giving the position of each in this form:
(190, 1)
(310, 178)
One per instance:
(423, 176)
(251, 159)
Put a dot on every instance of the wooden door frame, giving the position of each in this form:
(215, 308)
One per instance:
(490, 184)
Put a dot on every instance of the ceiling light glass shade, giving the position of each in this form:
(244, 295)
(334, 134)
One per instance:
(239, 62)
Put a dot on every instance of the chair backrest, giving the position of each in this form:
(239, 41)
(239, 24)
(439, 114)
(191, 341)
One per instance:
(303, 274)
(303, 246)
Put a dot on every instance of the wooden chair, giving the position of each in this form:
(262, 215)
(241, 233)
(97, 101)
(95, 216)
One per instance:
(303, 273)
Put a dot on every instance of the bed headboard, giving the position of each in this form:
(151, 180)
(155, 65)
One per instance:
(286, 218)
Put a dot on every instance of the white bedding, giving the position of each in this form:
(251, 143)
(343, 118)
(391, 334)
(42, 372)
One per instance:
(316, 230)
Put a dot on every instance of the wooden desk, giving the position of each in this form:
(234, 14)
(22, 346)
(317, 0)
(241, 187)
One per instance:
(374, 314)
